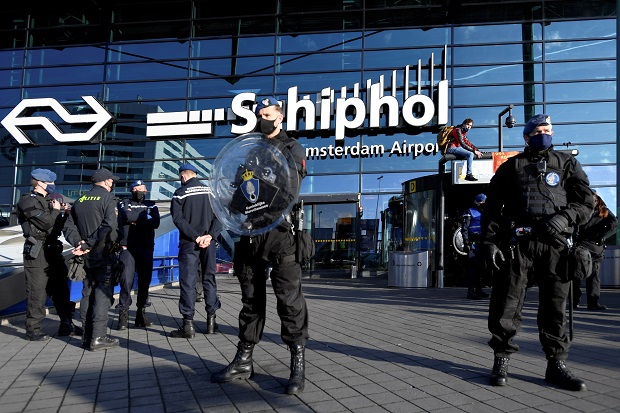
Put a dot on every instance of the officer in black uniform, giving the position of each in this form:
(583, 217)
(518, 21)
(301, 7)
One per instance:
(137, 220)
(534, 201)
(42, 219)
(92, 230)
(471, 231)
(198, 230)
(251, 260)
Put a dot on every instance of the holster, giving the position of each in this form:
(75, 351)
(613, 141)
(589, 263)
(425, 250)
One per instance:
(33, 247)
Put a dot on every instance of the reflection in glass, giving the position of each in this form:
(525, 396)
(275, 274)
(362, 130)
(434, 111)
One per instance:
(147, 51)
(146, 90)
(576, 91)
(140, 71)
(580, 50)
(496, 33)
(320, 42)
(488, 95)
(601, 69)
(65, 56)
(501, 53)
(60, 75)
(508, 73)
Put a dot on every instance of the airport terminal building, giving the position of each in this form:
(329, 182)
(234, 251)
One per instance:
(140, 87)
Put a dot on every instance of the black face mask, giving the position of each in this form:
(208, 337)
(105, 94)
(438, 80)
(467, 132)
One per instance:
(138, 195)
(266, 126)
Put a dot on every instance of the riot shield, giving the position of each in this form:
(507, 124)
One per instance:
(458, 243)
(254, 184)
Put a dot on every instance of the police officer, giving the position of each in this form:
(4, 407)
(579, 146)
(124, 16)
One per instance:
(472, 233)
(42, 219)
(534, 201)
(137, 219)
(592, 236)
(92, 230)
(198, 230)
(251, 260)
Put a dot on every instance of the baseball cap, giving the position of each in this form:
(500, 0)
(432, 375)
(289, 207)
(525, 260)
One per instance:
(536, 121)
(102, 174)
(481, 198)
(263, 103)
(188, 167)
(136, 183)
(44, 175)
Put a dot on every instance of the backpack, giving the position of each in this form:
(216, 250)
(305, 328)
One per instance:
(443, 138)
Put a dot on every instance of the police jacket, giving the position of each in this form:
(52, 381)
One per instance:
(530, 187)
(93, 219)
(593, 234)
(137, 222)
(471, 224)
(37, 217)
(192, 213)
(298, 152)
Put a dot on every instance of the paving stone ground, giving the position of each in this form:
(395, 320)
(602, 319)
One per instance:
(373, 348)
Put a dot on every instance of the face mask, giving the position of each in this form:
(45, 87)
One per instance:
(138, 195)
(267, 126)
(540, 142)
(50, 189)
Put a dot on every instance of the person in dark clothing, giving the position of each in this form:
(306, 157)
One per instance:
(535, 199)
(253, 256)
(42, 219)
(92, 229)
(592, 236)
(462, 147)
(198, 230)
(471, 231)
(137, 219)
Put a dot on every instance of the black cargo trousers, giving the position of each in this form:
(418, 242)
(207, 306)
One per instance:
(252, 258)
(530, 262)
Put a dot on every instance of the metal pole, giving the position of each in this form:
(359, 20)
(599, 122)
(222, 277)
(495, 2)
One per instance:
(377, 215)
(500, 125)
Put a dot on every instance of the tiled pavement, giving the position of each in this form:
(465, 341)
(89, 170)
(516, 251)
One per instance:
(373, 349)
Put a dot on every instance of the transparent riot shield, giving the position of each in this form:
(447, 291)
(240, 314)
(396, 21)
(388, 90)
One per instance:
(254, 184)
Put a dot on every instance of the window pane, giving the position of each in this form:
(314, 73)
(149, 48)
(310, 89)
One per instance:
(580, 29)
(330, 162)
(605, 69)
(314, 82)
(231, 66)
(146, 90)
(147, 51)
(397, 157)
(233, 47)
(500, 33)
(63, 93)
(576, 112)
(204, 148)
(348, 183)
(494, 54)
(575, 91)
(320, 42)
(322, 61)
(229, 86)
(62, 75)
(399, 58)
(580, 133)
(65, 56)
(406, 38)
(601, 175)
(141, 71)
(509, 73)
(485, 95)
(596, 154)
(11, 78)
(591, 49)
(9, 97)
(11, 58)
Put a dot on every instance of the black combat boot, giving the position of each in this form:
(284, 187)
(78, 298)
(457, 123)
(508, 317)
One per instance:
(240, 368)
(67, 328)
(37, 335)
(123, 319)
(103, 343)
(499, 374)
(187, 331)
(595, 306)
(211, 324)
(141, 320)
(297, 380)
(557, 373)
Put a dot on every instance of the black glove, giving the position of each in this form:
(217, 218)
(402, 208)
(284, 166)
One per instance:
(555, 226)
(492, 255)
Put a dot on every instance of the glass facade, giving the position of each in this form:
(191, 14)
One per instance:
(141, 57)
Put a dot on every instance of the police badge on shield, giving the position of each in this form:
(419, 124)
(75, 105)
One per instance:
(253, 184)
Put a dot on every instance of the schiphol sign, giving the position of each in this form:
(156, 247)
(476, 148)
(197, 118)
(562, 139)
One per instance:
(329, 114)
